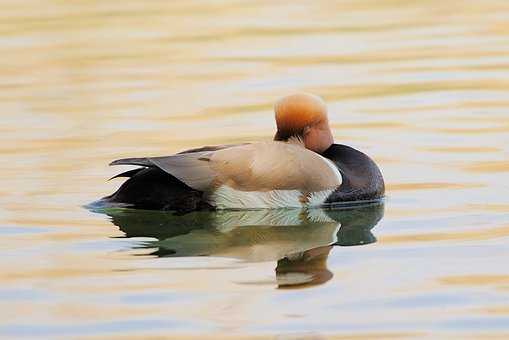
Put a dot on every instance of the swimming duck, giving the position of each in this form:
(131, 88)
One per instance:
(301, 167)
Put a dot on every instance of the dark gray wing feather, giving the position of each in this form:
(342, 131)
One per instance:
(145, 161)
(191, 168)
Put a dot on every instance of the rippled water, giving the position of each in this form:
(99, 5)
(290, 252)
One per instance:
(421, 86)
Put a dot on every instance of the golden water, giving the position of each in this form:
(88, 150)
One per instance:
(421, 86)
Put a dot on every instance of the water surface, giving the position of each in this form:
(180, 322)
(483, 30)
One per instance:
(421, 86)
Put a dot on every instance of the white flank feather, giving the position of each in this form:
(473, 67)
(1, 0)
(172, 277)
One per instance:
(226, 197)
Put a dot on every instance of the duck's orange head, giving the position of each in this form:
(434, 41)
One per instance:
(303, 115)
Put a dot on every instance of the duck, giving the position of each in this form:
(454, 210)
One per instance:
(301, 167)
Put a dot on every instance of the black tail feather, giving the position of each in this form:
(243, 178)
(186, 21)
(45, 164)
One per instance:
(154, 189)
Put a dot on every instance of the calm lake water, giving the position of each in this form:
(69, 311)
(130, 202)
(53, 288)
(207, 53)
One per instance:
(421, 86)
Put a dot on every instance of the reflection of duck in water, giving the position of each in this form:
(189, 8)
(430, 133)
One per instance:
(300, 168)
(300, 240)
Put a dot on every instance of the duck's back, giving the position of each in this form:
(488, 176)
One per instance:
(152, 188)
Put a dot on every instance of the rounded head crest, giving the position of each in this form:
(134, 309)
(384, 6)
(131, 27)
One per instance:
(296, 112)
